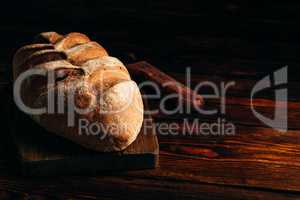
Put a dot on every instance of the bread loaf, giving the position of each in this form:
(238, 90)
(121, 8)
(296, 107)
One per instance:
(85, 78)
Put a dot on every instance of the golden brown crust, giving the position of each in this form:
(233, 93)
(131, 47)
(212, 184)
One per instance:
(83, 52)
(83, 68)
(71, 40)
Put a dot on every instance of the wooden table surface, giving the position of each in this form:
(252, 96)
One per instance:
(240, 42)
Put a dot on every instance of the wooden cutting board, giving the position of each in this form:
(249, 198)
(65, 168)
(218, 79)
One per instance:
(43, 154)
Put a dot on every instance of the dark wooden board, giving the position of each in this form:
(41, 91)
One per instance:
(43, 153)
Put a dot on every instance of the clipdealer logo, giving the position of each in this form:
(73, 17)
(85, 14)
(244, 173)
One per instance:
(278, 80)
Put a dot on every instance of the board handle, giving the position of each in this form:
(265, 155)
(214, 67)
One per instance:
(167, 83)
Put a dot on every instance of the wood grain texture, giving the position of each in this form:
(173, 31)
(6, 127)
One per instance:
(220, 40)
(258, 157)
(127, 187)
(255, 163)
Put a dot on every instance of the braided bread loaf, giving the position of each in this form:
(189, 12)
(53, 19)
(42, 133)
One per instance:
(100, 85)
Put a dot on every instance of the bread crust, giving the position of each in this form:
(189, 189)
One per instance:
(96, 81)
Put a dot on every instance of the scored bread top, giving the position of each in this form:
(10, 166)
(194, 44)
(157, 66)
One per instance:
(84, 68)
